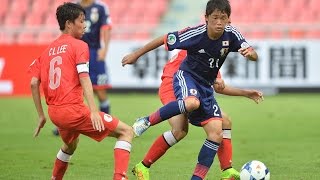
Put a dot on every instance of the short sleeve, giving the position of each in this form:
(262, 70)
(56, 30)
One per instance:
(185, 38)
(105, 17)
(237, 39)
(82, 53)
(34, 68)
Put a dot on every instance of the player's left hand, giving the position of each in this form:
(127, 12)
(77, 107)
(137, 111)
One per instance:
(97, 122)
(102, 54)
(41, 122)
(255, 95)
(246, 52)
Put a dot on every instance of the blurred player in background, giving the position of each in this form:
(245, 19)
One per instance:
(179, 123)
(98, 30)
(207, 47)
(63, 71)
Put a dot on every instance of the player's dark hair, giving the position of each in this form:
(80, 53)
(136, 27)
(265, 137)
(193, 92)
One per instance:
(68, 11)
(221, 5)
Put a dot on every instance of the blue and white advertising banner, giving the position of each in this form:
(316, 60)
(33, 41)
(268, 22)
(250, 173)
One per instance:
(282, 63)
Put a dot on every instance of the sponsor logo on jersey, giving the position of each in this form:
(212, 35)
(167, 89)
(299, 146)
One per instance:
(202, 51)
(171, 39)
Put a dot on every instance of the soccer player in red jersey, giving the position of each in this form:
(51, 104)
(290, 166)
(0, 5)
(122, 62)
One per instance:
(179, 123)
(62, 69)
(98, 29)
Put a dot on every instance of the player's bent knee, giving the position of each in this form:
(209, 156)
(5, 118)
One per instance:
(215, 136)
(192, 103)
(226, 121)
(179, 134)
(123, 132)
(70, 147)
(127, 132)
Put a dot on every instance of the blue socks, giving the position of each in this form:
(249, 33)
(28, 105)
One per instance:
(205, 159)
(167, 111)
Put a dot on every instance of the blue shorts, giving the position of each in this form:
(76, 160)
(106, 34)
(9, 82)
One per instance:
(184, 86)
(98, 71)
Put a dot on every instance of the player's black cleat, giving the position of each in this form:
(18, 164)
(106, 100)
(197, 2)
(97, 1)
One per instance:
(55, 132)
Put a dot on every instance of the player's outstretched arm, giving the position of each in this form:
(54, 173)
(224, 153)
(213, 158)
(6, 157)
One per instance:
(255, 95)
(35, 90)
(88, 94)
(133, 57)
(249, 53)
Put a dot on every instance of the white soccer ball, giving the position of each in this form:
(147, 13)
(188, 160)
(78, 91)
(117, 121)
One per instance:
(254, 170)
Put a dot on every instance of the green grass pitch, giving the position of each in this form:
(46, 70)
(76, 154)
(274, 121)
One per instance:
(283, 132)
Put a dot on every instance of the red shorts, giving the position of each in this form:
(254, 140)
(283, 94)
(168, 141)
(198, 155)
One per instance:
(166, 92)
(73, 120)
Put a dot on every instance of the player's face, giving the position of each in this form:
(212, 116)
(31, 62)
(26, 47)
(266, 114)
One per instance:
(216, 21)
(79, 26)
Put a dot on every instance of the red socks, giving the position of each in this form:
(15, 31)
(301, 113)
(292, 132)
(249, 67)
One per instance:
(59, 169)
(121, 160)
(225, 154)
(158, 148)
(60, 165)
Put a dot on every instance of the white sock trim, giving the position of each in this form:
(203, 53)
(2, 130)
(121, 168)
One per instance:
(123, 145)
(63, 156)
(226, 134)
(168, 136)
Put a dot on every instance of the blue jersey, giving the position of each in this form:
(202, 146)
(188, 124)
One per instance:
(204, 55)
(97, 16)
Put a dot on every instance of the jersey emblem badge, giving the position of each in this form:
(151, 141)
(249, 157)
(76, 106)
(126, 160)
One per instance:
(171, 39)
(94, 15)
(107, 117)
(225, 43)
(193, 92)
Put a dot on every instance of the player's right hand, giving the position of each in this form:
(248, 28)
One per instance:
(130, 59)
(255, 95)
(41, 122)
(96, 121)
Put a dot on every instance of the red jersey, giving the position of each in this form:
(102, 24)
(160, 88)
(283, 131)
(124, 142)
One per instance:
(172, 66)
(59, 68)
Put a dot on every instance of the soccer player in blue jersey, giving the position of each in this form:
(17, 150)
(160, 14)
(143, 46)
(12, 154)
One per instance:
(207, 47)
(98, 30)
